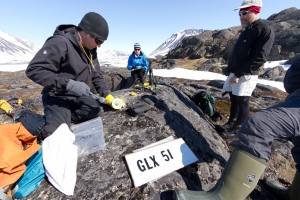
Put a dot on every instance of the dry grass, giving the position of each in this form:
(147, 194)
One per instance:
(189, 63)
(279, 94)
(223, 107)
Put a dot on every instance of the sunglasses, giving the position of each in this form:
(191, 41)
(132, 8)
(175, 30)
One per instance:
(244, 13)
(97, 40)
(137, 49)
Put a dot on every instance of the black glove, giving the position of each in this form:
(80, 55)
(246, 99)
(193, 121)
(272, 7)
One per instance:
(133, 67)
(78, 88)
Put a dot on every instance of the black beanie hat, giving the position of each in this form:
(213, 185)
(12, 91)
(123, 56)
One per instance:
(94, 24)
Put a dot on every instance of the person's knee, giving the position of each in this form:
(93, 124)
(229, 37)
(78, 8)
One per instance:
(250, 125)
(95, 112)
(83, 114)
(253, 137)
(88, 108)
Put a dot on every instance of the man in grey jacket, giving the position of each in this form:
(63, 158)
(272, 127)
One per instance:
(67, 67)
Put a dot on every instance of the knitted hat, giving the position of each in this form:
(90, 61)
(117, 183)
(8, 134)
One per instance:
(94, 24)
(250, 3)
(137, 46)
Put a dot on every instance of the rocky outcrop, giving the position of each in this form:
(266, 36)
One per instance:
(210, 50)
(219, 43)
(276, 74)
(104, 174)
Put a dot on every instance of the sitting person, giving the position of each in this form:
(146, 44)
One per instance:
(253, 149)
(138, 64)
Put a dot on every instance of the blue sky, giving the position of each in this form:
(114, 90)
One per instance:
(148, 22)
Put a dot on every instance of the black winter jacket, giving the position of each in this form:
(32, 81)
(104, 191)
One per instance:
(61, 59)
(251, 49)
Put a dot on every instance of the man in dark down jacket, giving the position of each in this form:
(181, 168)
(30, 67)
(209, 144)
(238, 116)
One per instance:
(248, 56)
(67, 67)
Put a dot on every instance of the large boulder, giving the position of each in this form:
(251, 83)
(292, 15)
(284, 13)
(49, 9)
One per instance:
(104, 175)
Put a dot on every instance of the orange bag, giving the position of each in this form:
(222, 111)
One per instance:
(17, 145)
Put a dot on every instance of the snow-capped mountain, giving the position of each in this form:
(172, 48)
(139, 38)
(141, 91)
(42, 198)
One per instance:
(173, 41)
(112, 57)
(18, 51)
(15, 50)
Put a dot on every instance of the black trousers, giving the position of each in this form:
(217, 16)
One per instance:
(59, 110)
(138, 75)
(239, 108)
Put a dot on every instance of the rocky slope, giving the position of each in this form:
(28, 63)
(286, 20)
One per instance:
(15, 50)
(104, 175)
(210, 50)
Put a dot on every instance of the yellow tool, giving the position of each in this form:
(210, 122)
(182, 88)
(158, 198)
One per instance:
(4, 105)
(117, 104)
(146, 84)
(132, 93)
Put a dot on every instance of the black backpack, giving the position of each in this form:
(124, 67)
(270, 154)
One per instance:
(206, 102)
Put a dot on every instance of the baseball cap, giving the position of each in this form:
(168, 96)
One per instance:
(250, 3)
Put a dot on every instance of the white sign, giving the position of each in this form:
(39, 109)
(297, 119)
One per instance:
(155, 162)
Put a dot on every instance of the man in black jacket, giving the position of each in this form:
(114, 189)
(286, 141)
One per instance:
(67, 67)
(248, 56)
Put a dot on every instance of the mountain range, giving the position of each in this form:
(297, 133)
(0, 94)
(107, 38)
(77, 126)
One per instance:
(173, 41)
(16, 51)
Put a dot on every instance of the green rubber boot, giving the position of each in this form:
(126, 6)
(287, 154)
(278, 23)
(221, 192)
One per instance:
(238, 180)
(281, 192)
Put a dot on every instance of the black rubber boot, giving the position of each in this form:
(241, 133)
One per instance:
(231, 133)
(281, 192)
(223, 128)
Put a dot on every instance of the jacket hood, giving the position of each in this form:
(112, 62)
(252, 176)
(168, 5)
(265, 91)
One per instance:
(69, 31)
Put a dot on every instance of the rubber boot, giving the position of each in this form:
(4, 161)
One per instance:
(4, 105)
(225, 127)
(281, 192)
(237, 181)
(231, 133)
